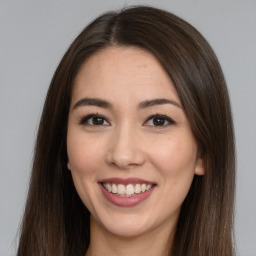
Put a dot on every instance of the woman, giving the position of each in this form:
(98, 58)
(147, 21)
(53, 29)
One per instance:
(135, 149)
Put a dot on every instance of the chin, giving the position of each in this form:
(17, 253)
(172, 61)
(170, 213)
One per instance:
(126, 227)
(127, 231)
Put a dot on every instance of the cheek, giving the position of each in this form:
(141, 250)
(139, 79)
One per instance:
(176, 157)
(85, 159)
(175, 162)
(84, 153)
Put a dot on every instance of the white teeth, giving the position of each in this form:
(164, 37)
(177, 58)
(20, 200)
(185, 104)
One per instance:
(121, 189)
(114, 188)
(127, 190)
(108, 187)
(137, 189)
(148, 187)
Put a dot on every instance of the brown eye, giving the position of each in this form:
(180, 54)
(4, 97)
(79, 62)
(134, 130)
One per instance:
(94, 120)
(159, 121)
(97, 121)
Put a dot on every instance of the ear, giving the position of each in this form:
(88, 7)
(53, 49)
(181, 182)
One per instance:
(199, 167)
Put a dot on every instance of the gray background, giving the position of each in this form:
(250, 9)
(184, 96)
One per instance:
(33, 37)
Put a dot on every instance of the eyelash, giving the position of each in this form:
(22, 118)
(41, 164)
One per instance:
(163, 117)
(85, 119)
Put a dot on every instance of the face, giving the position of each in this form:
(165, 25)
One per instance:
(131, 151)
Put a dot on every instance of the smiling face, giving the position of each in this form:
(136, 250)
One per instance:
(131, 150)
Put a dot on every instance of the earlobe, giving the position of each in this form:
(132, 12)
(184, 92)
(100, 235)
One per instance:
(199, 168)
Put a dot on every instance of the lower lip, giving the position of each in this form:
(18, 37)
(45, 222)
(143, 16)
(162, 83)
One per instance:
(126, 201)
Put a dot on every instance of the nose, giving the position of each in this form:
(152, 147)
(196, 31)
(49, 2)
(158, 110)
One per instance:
(125, 149)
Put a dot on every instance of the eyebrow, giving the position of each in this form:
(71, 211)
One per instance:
(92, 102)
(106, 104)
(154, 102)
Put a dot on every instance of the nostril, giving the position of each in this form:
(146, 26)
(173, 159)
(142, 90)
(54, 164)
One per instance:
(125, 159)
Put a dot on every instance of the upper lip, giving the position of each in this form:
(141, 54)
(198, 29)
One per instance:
(126, 181)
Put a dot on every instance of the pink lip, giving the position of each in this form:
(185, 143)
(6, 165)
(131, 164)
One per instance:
(125, 201)
(126, 181)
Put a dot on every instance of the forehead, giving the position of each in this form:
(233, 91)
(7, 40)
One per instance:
(124, 72)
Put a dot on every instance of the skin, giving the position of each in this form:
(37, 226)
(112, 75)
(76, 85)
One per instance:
(126, 145)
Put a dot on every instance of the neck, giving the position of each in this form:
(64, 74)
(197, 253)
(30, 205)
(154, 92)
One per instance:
(153, 243)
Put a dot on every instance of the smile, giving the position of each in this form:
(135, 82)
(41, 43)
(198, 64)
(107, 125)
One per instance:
(126, 192)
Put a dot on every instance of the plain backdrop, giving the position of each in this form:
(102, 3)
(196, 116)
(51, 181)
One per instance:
(34, 36)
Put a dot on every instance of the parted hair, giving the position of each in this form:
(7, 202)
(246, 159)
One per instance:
(55, 221)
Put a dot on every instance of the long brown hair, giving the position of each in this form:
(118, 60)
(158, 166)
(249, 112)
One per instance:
(56, 222)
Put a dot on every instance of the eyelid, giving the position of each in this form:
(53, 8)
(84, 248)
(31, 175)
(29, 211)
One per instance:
(84, 119)
(167, 118)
